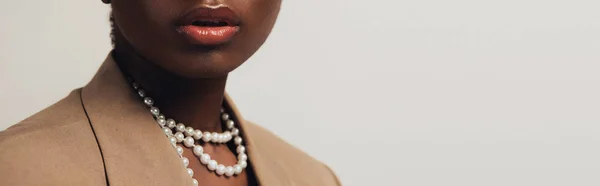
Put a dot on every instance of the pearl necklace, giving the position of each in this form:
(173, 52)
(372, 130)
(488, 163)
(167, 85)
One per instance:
(188, 136)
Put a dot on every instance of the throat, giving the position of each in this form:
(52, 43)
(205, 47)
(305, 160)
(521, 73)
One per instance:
(195, 102)
(197, 109)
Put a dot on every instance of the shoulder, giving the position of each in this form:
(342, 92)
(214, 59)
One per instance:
(54, 146)
(298, 166)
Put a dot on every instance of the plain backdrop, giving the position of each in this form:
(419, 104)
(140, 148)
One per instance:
(419, 93)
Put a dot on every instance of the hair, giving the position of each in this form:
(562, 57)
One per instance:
(112, 29)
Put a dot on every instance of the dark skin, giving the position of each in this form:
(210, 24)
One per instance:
(187, 81)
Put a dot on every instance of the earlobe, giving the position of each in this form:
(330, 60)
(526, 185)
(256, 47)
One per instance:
(106, 1)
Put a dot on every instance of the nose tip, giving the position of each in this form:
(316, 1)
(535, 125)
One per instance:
(212, 3)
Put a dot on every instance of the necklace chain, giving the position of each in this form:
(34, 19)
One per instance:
(188, 136)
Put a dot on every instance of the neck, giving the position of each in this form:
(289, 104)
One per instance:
(195, 102)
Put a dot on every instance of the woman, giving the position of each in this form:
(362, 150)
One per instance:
(156, 112)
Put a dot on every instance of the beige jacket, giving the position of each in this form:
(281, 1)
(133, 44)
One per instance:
(102, 135)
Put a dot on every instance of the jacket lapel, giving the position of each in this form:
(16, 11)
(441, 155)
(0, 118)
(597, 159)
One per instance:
(266, 174)
(135, 150)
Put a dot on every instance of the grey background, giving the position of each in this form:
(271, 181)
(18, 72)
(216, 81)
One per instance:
(419, 93)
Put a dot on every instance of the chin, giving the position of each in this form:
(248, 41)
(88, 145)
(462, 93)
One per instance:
(204, 66)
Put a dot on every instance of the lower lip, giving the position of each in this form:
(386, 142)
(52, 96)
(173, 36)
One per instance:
(208, 35)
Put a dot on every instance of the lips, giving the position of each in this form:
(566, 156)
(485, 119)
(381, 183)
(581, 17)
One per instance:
(209, 26)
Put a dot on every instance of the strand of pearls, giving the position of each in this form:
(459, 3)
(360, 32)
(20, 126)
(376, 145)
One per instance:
(178, 133)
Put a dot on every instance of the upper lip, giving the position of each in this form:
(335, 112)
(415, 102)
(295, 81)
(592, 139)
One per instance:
(219, 13)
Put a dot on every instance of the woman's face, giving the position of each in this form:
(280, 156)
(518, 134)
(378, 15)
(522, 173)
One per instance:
(195, 38)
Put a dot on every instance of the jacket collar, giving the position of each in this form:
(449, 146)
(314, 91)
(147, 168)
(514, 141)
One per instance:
(134, 148)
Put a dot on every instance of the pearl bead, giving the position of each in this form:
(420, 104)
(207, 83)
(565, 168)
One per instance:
(173, 140)
(190, 172)
(161, 122)
(198, 150)
(230, 124)
(180, 127)
(167, 131)
(135, 86)
(235, 132)
(216, 137)
(225, 116)
(186, 161)
(227, 136)
(212, 165)
(171, 124)
(237, 169)
(205, 159)
(179, 136)
(238, 140)
(229, 171)
(195, 182)
(224, 138)
(197, 134)
(161, 116)
(207, 137)
(241, 149)
(179, 150)
(155, 111)
(243, 164)
(148, 101)
(242, 157)
(188, 141)
(142, 93)
(220, 169)
(189, 131)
